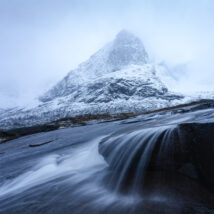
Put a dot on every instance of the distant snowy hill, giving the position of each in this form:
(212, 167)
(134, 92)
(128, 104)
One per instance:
(118, 78)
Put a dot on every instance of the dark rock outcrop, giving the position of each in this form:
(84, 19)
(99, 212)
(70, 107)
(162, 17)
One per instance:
(185, 149)
(15, 133)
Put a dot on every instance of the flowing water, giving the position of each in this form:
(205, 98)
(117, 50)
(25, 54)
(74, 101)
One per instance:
(140, 165)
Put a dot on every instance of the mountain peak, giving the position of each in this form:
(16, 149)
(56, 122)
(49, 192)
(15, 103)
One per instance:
(125, 35)
(127, 49)
(124, 51)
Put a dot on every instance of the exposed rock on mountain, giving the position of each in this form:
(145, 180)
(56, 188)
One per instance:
(118, 78)
(120, 70)
(125, 50)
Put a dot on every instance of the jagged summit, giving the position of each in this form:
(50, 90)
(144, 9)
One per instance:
(127, 49)
(125, 34)
(116, 79)
(120, 66)
(126, 38)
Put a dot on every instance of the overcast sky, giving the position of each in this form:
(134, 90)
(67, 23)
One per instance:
(42, 40)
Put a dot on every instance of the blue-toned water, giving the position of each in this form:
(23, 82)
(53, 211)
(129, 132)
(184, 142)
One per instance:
(147, 164)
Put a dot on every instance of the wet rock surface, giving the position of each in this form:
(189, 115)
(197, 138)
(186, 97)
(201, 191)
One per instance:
(186, 149)
(158, 163)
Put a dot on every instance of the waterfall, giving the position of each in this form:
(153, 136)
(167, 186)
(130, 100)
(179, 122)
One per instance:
(149, 166)
(161, 153)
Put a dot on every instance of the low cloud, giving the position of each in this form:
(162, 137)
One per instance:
(41, 41)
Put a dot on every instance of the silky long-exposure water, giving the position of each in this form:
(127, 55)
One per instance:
(156, 163)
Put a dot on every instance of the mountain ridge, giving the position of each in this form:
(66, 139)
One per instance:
(126, 49)
(118, 78)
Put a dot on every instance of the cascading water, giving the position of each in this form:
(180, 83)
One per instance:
(129, 156)
(135, 166)
(162, 154)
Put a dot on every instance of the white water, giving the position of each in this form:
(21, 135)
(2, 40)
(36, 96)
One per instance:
(82, 182)
(80, 175)
(82, 162)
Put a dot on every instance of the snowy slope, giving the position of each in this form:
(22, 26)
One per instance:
(125, 50)
(118, 78)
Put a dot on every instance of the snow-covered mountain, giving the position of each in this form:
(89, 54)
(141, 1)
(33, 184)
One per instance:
(125, 50)
(119, 71)
(118, 78)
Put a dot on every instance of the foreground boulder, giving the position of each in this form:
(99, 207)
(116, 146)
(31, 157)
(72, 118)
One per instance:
(185, 150)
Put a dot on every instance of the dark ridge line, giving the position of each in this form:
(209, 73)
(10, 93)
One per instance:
(41, 144)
